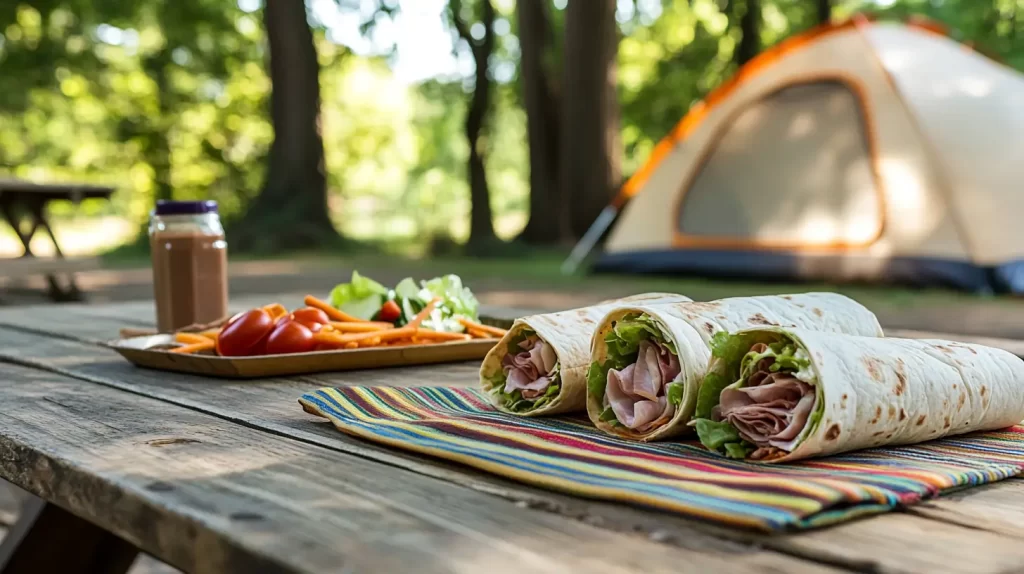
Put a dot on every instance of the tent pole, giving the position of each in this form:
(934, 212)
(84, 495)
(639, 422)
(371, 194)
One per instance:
(586, 243)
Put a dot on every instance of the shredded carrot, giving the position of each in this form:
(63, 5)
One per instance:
(190, 339)
(337, 339)
(194, 348)
(350, 327)
(440, 335)
(481, 327)
(424, 313)
(333, 312)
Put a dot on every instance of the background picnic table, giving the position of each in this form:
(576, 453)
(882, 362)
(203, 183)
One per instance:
(232, 476)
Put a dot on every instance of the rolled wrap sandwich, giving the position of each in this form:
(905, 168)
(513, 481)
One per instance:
(647, 361)
(540, 366)
(784, 394)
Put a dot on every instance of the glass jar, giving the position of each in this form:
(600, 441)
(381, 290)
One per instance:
(190, 264)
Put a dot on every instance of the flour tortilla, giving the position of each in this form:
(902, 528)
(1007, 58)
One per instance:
(690, 326)
(568, 332)
(902, 391)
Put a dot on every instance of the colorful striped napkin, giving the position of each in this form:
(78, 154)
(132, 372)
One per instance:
(569, 455)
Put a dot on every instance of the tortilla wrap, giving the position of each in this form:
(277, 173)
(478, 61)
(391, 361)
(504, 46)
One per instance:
(568, 334)
(871, 392)
(688, 328)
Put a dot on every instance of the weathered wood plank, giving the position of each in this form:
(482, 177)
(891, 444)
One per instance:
(997, 508)
(207, 495)
(267, 404)
(905, 543)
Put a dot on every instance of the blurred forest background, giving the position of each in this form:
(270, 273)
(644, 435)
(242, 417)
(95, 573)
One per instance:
(415, 124)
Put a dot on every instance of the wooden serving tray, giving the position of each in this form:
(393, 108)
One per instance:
(151, 352)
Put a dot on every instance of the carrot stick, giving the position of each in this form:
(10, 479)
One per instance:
(190, 339)
(480, 327)
(350, 327)
(194, 348)
(351, 346)
(478, 334)
(343, 339)
(210, 333)
(423, 314)
(333, 312)
(432, 335)
(403, 343)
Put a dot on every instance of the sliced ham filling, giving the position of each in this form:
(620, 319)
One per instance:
(637, 392)
(770, 411)
(531, 370)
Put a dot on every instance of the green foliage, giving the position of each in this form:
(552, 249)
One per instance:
(165, 97)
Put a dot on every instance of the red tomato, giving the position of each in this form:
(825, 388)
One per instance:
(245, 334)
(389, 312)
(311, 317)
(290, 337)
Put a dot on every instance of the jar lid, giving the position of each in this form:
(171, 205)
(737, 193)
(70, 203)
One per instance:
(165, 207)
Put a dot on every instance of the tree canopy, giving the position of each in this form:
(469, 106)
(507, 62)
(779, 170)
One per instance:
(172, 98)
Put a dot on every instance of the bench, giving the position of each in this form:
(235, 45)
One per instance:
(24, 205)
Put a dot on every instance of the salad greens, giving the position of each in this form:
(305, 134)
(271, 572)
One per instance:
(735, 364)
(363, 298)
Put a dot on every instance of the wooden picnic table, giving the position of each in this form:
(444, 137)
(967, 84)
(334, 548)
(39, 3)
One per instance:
(232, 476)
(23, 205)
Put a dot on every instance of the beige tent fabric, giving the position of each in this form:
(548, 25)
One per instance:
(969, 109)
(943, 126)
(816, 131)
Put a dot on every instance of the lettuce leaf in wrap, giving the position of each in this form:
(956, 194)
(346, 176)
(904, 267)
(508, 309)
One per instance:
(623, 348)
(514, 401)
(735, 359)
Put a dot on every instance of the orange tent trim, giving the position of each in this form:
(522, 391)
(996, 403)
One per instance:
(758, 64)
(681, 239)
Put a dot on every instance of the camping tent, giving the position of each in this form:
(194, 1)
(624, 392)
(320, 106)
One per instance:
(857, 151)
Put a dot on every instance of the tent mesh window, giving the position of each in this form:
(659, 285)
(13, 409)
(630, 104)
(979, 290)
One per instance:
(791, 169)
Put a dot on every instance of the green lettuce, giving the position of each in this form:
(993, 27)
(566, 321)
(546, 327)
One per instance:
(514, 401)
(735, 363)
(715, 435)
(623, 343)
(456, 301)
(675, 394)
(361, 297)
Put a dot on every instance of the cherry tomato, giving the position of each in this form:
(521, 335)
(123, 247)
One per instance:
(290, 337)
(245, 334)
(311, 317)
(389, 312)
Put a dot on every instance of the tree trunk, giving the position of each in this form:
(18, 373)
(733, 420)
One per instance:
(590, 155)
(481, 226)
(158, 150)
(824, 11)
(750, 28)
(541, 123)
(291, 210)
